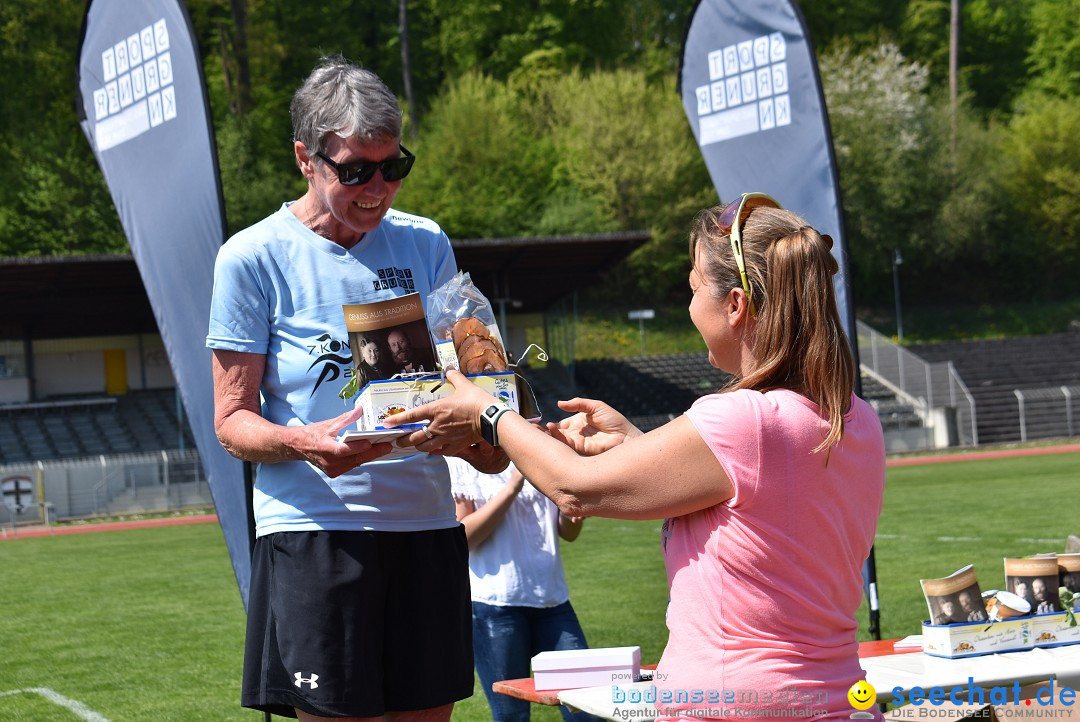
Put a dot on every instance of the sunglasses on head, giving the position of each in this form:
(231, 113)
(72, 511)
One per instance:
(731, 220)
(354, 174)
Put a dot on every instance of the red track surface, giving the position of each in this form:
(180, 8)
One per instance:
(40, 531)
(976, 455)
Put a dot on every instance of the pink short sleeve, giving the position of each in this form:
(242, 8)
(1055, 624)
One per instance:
(730, 425)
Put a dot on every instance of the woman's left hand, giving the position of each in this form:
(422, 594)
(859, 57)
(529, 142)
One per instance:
(453, 422)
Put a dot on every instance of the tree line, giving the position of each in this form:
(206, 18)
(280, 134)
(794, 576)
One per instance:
(538, 117)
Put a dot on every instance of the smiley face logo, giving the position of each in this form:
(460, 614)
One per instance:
(862, 695)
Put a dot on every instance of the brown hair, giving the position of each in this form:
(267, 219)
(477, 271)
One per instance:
(799, 341)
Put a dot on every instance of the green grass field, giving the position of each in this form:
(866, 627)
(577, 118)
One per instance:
(148, 625)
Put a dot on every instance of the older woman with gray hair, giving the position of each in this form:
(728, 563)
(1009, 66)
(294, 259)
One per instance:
(359, 604)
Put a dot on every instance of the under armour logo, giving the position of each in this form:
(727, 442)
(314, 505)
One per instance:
(312, 680)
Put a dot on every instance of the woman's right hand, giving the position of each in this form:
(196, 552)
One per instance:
(318, 444)
(595, 428)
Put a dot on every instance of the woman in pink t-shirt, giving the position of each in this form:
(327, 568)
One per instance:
(770, 489)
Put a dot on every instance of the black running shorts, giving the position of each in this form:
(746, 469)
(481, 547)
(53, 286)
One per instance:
(358, 623)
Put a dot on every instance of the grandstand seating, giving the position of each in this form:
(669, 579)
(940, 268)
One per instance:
(650, 390)
(992, 369)
(893, 412)
(133, 422)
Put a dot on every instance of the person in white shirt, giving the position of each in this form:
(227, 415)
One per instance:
(520, 600)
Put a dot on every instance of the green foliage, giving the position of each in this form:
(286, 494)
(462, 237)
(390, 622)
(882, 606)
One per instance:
(878, 112)
(52, 196)
(927, 320)
(497, 38)
(947, 190)
(859, 23)
(994, 40)
(625, 144)
(564, 154)
(967, 232)
(1043, 180)
(493, 184)
(254, 184)
(61, 209)
(606, 332)
(1054, 57)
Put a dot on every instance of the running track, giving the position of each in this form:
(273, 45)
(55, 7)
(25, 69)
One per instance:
(208, 518)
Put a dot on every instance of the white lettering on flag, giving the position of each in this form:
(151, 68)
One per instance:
(719, 102)
(146, 37)
(783, 110)
(766, 118)
(137, 66)
(747, 90)
(156, 117)
(777, 48)
(134, 49)
(703, 107)
(716, 65)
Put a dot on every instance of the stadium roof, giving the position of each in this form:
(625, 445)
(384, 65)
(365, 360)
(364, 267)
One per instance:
(75, 296)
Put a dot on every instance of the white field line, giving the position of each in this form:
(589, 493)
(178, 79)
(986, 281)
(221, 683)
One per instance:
(76, 707)
(1024, 540)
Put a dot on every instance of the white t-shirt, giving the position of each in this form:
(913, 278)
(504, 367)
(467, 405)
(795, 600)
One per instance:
(519, 564)
(278, 291)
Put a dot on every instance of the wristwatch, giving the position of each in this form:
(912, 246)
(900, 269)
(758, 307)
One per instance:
(489, 420)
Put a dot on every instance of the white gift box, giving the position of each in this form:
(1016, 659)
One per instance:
(970, 639)
(573, 668)
(384, 398)
(1053, 630)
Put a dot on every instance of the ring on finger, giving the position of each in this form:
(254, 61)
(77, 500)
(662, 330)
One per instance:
(427, 431)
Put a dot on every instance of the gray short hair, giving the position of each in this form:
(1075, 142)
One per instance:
(349, 101)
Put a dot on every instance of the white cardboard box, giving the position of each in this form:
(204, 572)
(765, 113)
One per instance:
(384, 398)
(573, 668)
(970, 639)
(1053, 630)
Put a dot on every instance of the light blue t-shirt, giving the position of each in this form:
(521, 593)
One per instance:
(278, 292)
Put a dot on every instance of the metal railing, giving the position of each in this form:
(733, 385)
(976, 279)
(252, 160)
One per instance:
(926, 386)
(113, 484)
(1051, 406)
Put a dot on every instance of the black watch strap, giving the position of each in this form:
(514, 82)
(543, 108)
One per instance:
(489, 421)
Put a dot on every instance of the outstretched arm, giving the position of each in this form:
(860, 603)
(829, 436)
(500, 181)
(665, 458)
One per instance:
(667, 472)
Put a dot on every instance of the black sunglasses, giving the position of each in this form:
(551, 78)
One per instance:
(353, 174)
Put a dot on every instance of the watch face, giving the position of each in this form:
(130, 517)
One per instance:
(486, 430)
(487, 427)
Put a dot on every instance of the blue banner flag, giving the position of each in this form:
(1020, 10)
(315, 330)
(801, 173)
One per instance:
(142, 103)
